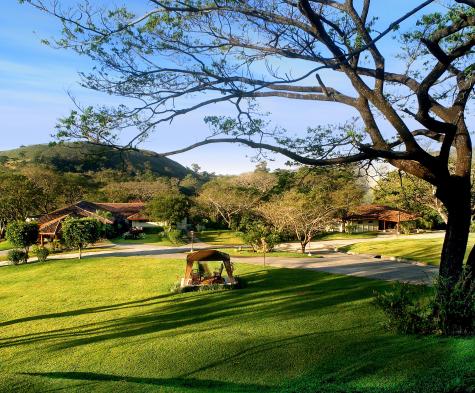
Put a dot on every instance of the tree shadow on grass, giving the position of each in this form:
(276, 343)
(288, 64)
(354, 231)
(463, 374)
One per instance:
(338, 354)
(179, 383)
(271, 293)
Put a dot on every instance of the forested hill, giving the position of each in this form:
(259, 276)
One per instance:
(84, 157)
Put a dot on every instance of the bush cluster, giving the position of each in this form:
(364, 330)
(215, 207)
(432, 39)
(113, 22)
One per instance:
(175, 236)
(450, 310)
(133, 234)
(41, 253)
(17, 256)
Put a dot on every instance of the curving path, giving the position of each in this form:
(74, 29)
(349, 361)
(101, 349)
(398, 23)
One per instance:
(331, 261)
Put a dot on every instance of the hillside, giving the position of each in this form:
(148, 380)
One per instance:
(84, 157)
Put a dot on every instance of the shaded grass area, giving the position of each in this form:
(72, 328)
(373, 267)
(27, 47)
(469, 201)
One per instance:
(111, 325)
(220, 237)
(148, 238)
(344, 236)
(249, 253)
(5, 245)
(422, 250)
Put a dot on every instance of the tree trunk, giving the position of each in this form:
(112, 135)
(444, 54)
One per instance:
(303, 246)
(80, 252)
(457, 201)
(471, 263)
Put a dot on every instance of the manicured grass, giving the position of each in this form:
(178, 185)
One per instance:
(111, 325)
(220, 238)
(249, 253)
(5, 245)
(148, 238)
(422, 250)
(344, 236)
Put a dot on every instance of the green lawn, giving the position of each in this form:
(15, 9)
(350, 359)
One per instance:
(148, 238)
(344, 236)
(111, 325)
(249, 253)
(5, 245)
(422, 250)
(220, 238)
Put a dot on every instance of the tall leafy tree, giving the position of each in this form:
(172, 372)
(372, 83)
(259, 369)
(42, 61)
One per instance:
(411, 193)
(241, 52)
(168, 207)
(19, 199)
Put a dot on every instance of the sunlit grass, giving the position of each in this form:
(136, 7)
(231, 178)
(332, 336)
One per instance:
(110, 324)
(220, 237)
(422, 250)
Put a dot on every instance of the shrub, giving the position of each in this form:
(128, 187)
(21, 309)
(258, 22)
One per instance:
(133, 234)
(449, 311)
(174, 235)
(454, 306)
(403, 309)
(17, 256)
(56, 245)
(41, 253)
(407, 227)
(154, 230)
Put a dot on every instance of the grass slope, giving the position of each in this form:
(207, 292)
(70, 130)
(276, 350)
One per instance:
(83, 157)
(111, 325)
(5, 245)
(220, 237)
(148, 238)
(344, 236)
(422, 250)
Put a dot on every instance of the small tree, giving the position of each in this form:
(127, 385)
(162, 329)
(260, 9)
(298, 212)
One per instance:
(170, 207)
(22, 235)
(78, 233)
(259, 234)
(301, 214)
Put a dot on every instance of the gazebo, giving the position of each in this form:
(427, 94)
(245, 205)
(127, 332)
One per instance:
(204, 276)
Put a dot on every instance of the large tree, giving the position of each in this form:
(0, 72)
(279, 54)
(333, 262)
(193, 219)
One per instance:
(19, 199)
(182, 55)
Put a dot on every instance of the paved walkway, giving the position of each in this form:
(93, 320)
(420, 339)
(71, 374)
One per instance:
(331, 261)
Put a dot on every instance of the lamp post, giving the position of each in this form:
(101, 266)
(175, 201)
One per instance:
(192, 239)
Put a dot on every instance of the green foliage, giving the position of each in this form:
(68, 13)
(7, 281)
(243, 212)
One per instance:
(454, 305)
(410, 193)
(41, 253)
(17, 256)
(404, 311)
(84, 157)
(175, 236)
(133, 234)
(169, 207)
(449, 311)
(78, 233)
(22, 234)
(261, 236)
(19, 198)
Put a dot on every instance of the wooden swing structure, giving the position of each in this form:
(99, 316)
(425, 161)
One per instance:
(203, 276)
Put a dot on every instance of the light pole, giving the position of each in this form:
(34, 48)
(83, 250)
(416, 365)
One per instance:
(192, 239)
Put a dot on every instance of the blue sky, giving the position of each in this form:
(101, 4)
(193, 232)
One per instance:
(35, 79)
